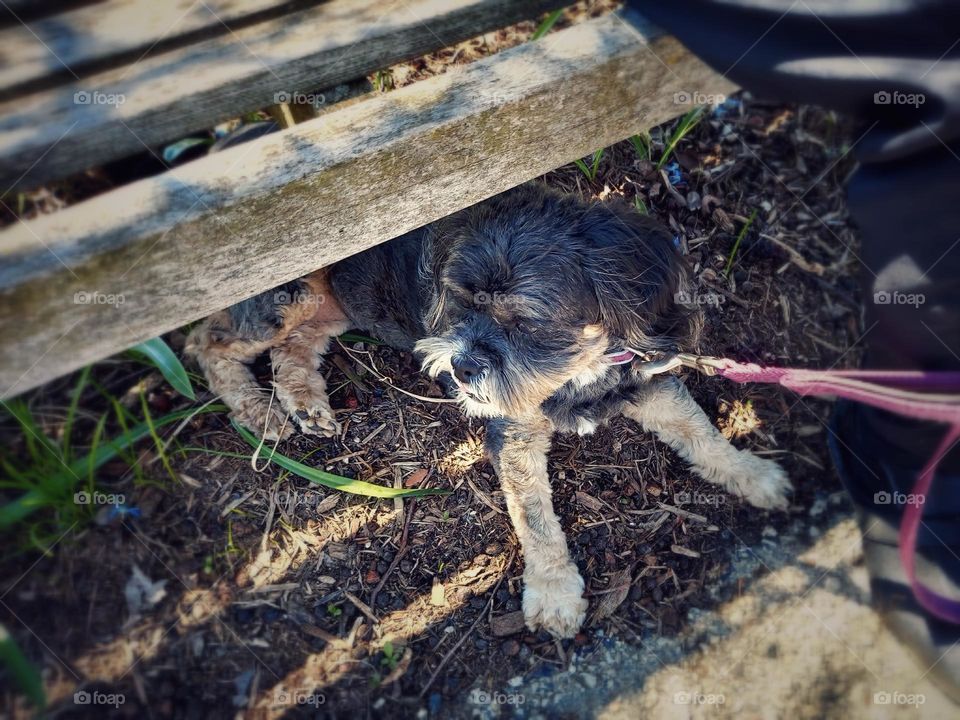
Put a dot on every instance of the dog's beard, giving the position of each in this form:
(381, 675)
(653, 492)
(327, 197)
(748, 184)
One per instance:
(512, 387)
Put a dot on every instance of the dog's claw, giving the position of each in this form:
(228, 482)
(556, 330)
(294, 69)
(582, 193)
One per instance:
(317, 421)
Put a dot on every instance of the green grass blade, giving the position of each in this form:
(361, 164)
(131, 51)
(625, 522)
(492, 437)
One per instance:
(548, 22)
(583, 168)
(736, 245)
(72, 409)
(335, 482)
(38, 498)
(640, 205)
(32, 434)
(353, 337)
(163, 358)
(641, 143)
(687, 123)
(25, 675)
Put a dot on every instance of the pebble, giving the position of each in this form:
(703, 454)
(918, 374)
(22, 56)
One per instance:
(510, 648)
(589, 680)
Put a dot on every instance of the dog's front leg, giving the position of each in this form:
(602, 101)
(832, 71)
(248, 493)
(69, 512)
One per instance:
(553, 589)
(666, 408)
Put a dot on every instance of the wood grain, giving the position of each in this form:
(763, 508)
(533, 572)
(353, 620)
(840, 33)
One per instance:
(58, 48)
(126, 110)
(174, 248)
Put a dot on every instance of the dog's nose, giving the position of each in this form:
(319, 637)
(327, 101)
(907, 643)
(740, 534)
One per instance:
(465, 369)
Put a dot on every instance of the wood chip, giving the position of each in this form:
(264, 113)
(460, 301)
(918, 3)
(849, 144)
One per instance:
(614, 597)
(681, 550)
(437, 594)
(415, 478)
(589, 501)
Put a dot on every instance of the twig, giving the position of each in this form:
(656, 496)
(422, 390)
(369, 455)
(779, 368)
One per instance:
(401, 550)
(463, 639)
(385, 379)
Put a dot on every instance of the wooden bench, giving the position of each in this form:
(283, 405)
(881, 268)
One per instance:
(197, 238)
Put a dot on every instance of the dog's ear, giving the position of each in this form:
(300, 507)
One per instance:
(437, 246)
(638, 277)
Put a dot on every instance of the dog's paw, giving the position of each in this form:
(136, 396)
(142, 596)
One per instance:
(262, 420)
(760, 482)
(553, 600)
(317, 420)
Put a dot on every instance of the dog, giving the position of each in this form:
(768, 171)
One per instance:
(523, 300)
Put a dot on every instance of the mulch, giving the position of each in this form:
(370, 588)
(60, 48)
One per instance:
(276, 592)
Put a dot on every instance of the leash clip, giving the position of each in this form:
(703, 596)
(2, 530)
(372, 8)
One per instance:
(707, 364)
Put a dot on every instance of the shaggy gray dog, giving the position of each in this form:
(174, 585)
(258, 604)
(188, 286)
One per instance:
(524, 300)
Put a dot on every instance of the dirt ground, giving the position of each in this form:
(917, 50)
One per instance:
(242, 592)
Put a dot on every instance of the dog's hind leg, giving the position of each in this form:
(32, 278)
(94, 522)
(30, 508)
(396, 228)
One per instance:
(667, 409)
(223, 359)
(553, 589)
(301, 389)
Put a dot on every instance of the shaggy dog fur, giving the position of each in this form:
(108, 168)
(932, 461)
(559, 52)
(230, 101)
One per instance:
(521, 299)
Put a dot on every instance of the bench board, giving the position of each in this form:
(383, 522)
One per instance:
(182, 245)
(122, 111)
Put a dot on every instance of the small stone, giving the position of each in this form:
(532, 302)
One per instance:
(589, 680)
(510, 648)
(509, 624)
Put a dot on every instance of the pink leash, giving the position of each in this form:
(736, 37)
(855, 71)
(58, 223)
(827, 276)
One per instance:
(889, 390)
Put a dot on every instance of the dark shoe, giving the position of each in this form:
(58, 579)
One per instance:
(879, 476)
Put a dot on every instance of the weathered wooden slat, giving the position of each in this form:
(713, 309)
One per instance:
(121, 111)
(81, 284)
(58, 48)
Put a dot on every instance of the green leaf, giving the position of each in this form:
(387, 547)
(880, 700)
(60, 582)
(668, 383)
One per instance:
(26, 676)
(548, 22)
(162, 357)
(335, 482)
(353, 337)
(736, 245)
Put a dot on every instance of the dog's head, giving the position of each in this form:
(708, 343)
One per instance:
(529, 291)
